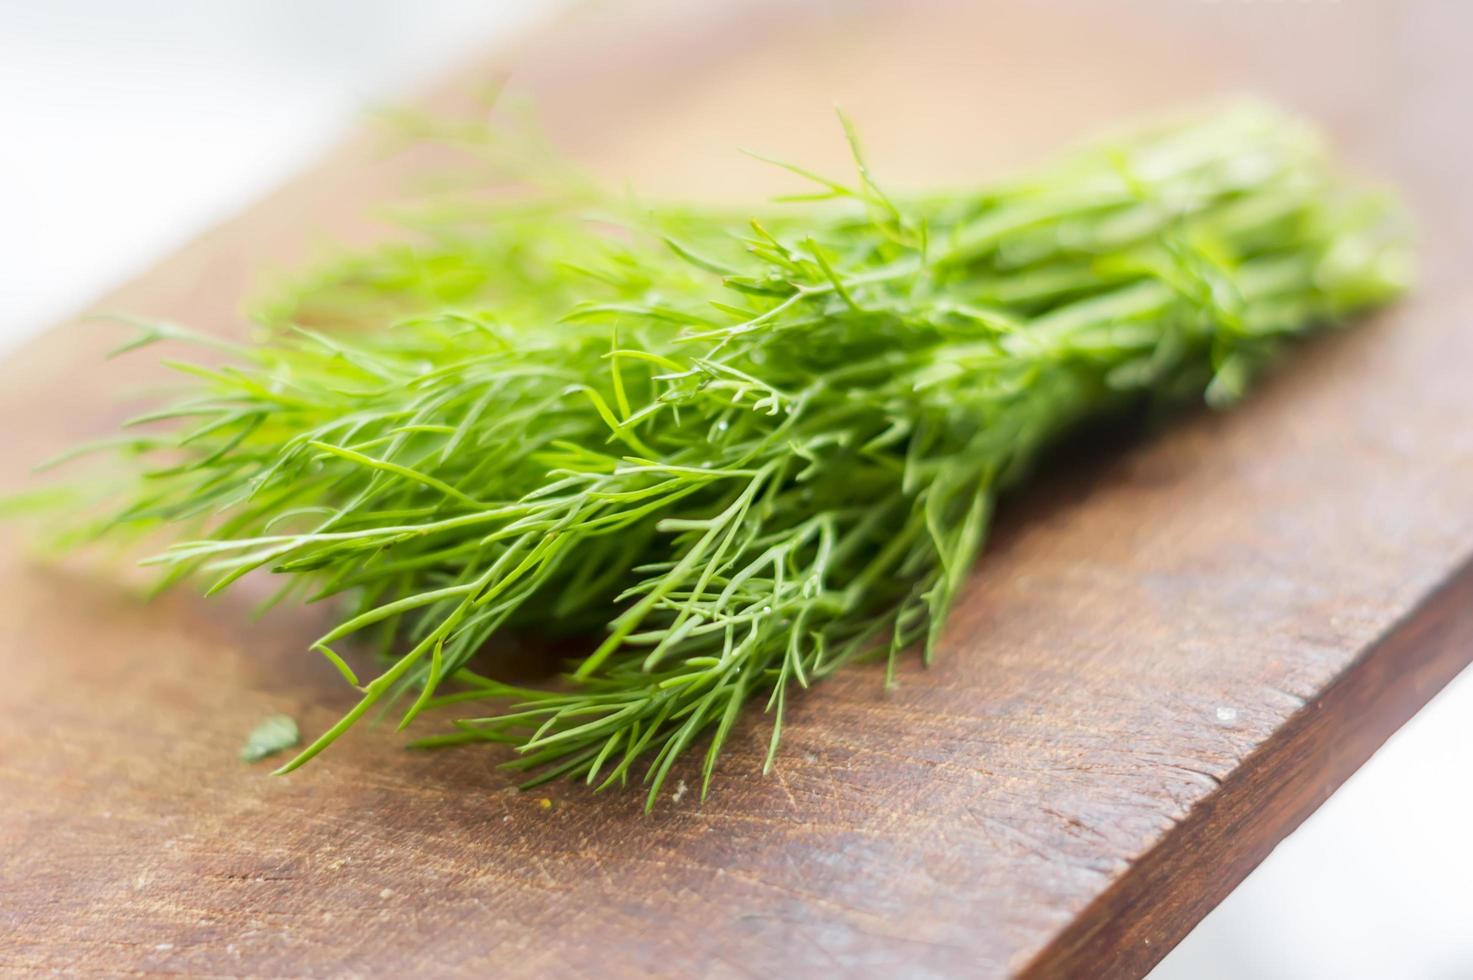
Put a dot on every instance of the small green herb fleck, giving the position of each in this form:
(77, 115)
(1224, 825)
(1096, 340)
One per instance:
(277, 733)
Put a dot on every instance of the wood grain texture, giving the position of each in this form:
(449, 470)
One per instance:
(1171, 653)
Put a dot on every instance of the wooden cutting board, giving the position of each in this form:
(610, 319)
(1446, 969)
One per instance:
(1171, 653)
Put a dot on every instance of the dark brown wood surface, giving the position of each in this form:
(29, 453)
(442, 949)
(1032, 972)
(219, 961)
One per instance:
(1169, 656)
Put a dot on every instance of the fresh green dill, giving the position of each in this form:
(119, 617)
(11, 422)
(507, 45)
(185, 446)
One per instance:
(741, 453)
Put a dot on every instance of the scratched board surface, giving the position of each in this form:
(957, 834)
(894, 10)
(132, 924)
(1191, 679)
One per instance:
(1170, 653)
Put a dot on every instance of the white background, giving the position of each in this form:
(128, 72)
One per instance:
(129, 127)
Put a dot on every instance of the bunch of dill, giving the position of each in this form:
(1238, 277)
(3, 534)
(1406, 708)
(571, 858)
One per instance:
(747, 452)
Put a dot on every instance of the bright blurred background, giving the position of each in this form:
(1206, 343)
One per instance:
(131, 127)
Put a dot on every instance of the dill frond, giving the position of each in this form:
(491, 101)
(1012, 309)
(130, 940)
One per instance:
(750, 452)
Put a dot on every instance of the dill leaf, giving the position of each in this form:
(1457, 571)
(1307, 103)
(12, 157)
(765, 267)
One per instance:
(746, 453)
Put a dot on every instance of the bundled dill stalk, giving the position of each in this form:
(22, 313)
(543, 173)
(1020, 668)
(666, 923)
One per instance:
(740, 455)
